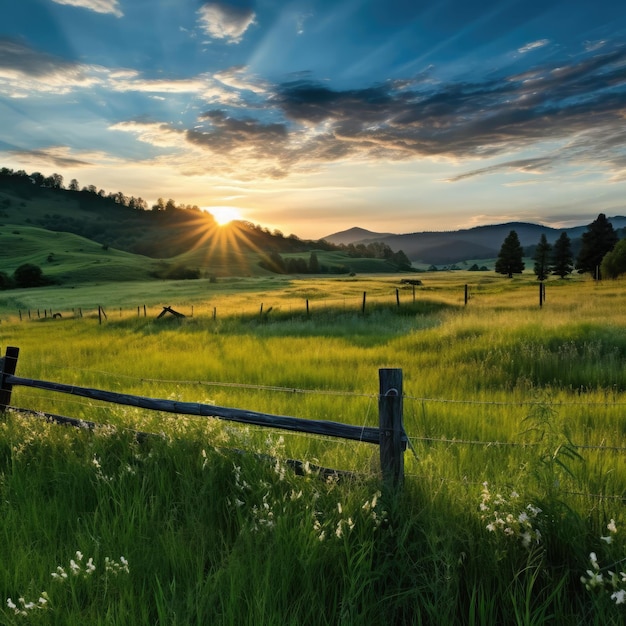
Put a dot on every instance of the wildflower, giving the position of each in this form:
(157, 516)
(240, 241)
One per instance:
(595, 580)
(534, 510)
(11, 604)
(611, 526)
(619, 596)
(608, 539)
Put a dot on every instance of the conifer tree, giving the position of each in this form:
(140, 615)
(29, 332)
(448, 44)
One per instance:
(562, 258)
(542, 258)
(510, 257)
(599, 239)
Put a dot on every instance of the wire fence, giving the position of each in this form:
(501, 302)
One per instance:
(418, 444)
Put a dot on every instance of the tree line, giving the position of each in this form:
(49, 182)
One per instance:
(601, 254)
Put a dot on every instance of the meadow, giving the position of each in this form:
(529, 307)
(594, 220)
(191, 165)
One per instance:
(514, 480)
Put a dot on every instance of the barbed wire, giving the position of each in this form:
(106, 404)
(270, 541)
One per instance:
(334, 392)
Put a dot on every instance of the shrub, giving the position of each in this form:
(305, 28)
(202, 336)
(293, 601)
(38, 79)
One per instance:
(30, 275)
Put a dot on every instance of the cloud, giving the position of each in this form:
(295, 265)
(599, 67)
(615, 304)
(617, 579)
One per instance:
(306, 125)
(58, 156)
(534, 45)
(24, 71)
(224, 21)
(99, 6)
(236, 77)
(531, 165)
(302, 125)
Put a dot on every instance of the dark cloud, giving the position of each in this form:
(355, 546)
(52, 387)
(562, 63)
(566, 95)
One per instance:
(17, 57)
(54, 157)
(578, 106)
(405, 120)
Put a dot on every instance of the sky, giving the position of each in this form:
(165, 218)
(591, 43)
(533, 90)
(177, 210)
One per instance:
(314, 116)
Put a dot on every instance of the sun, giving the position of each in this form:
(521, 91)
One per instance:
(224, 214)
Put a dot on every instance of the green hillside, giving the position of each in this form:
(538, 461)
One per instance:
(85, 236)
(68, 258)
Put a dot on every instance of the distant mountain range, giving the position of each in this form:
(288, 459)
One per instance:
(480, 242)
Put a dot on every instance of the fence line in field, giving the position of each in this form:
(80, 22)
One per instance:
(390, 436)
(334, 392)
(352, 394)
(356, 302)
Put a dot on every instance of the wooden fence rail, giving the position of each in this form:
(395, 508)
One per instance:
(389, 436)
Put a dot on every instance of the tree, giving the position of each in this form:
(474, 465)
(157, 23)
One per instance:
(614, 262)
(562, 258)
(74, 186)
(599, 239)
(542, 259)
(29, 275)
(509, 260)
(314, 264)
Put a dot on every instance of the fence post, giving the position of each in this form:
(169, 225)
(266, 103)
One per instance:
(392, 438)
(363, 305)
(8, 363)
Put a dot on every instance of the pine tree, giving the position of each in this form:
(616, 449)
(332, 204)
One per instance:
(542, 259)
(509, 259)
(599, 239)
(562, 258)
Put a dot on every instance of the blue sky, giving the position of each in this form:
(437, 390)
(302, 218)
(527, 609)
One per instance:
(313, 116)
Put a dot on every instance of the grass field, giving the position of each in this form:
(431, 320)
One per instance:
(515, 414)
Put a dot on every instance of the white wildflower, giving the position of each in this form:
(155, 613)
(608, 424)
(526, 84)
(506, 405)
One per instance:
(611, 526)
(619, 596)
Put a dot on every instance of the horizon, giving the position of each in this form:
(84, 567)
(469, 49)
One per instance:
(314, 116)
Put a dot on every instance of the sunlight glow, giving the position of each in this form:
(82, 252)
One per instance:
(224, 214)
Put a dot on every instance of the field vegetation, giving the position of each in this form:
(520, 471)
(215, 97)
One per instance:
(511, 508)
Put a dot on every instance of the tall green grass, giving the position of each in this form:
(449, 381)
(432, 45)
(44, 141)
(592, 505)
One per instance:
(502, 398)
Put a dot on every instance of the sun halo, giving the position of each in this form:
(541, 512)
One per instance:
(224, 214)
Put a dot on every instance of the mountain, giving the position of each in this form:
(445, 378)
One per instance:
(355, 235)
(480, 242)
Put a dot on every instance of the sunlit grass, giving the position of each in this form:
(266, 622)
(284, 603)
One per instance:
(529, 400)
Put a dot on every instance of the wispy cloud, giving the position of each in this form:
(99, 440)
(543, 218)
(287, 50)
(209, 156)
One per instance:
(534, 45)
(224, 21)
(24, 71)
(99, 6)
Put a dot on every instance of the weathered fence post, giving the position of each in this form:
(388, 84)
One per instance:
(466, 295)
(8, 363)
(397, 297)
(541, 295)
(392, 437)
(363, 306)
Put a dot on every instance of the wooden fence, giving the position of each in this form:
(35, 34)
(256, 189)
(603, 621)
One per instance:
(389, 436)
